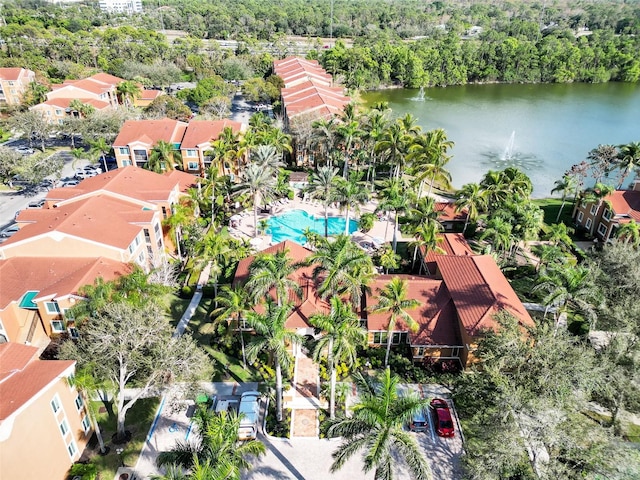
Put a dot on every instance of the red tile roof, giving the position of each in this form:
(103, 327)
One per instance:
(627, 203)
(65, 102)
(451, 244)
(127, 183)
(448, 212)
(200, 132)
(479, 290)
(10, 73)
(107, 78)
(149, 132)
(100, 219)
(53, 276)
(88, 85)
(150, 94)
(22, 377)
(435, 314)
(306, 305)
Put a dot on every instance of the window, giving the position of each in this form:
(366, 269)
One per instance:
(192, 153)
(363, 323)
(379, 338)
(64, 427)
(594, 209)
(399, 337)
(58, 112)
(55, 404)
(602, 229)
(126, 163)
(52, 307)
(141, 258)
(588, 224)
(79, 403)
(580, 217)
(57, 326)
(71, 380)
(156, 228)
(123, 150)
(86, 424)
(71, 448)
(607, 214)
(192, 165)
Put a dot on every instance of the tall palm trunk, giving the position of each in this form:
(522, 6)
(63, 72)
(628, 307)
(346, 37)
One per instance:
(466, 223)
(332, 370)
(389, 337)
(278, 392)
(561, 208)
(395, 232)
(244, 356)
(94, 422)
(326, 220)
(346, 221)
(255, 216)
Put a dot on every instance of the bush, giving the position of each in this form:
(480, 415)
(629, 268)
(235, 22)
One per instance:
(87, 471)
(275, 428)
(186, 292)
(366, 221)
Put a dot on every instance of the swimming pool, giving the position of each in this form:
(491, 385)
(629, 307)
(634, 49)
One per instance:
(290, 225)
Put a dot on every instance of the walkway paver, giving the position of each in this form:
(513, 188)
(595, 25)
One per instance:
(303, 398)
(304, 423)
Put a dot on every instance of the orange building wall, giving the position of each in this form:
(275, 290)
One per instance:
(35, 448)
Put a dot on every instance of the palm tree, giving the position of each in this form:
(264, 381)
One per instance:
(428, 154)
(128, 91)
(342, 268)
(558, 235)
(629, 159)
(100, 147)
(566, 186)
(321, 186)
(377, 427)
(273, 337)
(426, 236)
(342, 334)
(267, 157)
(350, 194)
(217, 445)
(260, 184)
(163, 157)
(393, 197)
(87, 385)
(272, 270)
(180, 216)
(392, 299)
(630, 233)
(389, 260)
(214, 250)
(472, 198)
(348, 132)
(393, 145)
(373, 129)
(233, 303)
(499, 233)
(323, 136)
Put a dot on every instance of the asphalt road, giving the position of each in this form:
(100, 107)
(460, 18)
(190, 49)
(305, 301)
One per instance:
(12, 201)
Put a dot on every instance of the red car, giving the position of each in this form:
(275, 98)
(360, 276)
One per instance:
(443, 420)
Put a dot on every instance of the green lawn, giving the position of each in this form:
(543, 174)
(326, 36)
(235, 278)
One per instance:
(138, 422)
(551, 207)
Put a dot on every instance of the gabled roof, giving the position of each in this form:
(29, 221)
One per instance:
(625, 203)
(448, 212)
(149, 132)
(53, 276)
(86, 84)
(99, 219)
(66, 102)
(451, 244)
(479, 290)
(22, 376)
(304, 306)
(150, 94)
(204, 131)
(11, 73)
(107, 78)
(127, 182)
(435, 314)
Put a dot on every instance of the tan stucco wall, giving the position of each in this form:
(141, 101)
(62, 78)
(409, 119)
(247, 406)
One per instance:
(35, 448)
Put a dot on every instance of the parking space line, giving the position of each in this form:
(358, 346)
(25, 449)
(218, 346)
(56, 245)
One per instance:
(431, 426)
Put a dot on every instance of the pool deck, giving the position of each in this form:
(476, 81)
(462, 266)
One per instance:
(381, 229)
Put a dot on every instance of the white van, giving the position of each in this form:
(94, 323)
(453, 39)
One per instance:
(249, 412)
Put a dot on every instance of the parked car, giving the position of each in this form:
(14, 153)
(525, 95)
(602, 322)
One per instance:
(81, 174)
(25, 150)
(10, 230)
(70, 183)
(442, 417)
(249, 411)
(36, 203)
(418, 422)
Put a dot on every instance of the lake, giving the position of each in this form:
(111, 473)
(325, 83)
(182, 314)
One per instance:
(541, 129)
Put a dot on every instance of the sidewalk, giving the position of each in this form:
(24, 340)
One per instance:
(303, 399)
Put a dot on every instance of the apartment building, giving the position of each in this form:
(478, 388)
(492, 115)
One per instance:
(14, 82)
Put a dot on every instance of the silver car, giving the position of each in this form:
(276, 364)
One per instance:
(10, 230)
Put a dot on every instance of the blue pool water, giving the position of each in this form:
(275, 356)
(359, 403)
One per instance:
(290, 225)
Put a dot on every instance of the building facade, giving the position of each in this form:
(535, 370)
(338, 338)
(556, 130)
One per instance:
(14, 82)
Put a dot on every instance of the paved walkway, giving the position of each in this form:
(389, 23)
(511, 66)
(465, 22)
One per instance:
(303, 399)
(166, 429)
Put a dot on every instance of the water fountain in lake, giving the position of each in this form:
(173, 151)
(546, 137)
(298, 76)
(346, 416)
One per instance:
(508, 150)
(511, 157)
(420, 97)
